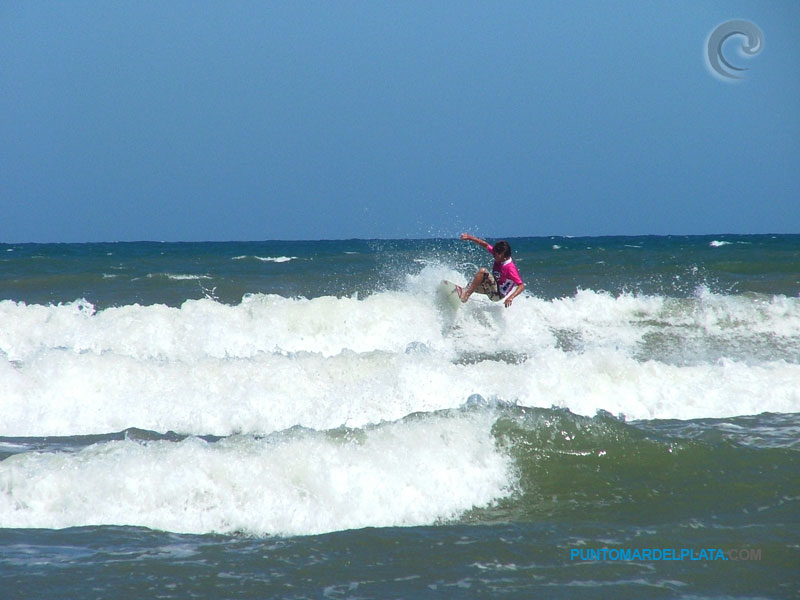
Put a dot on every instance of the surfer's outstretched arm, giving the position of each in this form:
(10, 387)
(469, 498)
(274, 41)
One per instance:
(471, 238)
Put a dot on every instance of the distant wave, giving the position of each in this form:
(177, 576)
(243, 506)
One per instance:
(275, 259)
(179, 276)
(717, 243)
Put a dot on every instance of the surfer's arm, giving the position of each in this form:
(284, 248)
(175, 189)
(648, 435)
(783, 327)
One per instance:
(471, 238)
(510, 298)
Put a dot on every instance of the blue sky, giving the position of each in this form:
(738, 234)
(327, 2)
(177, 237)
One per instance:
(308, 120)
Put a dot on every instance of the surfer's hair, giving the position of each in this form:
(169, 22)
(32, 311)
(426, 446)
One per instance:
(503, 249)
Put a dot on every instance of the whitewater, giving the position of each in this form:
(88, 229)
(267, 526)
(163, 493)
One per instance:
(270, 362)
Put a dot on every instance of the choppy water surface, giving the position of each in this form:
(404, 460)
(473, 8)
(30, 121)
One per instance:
(309, 419)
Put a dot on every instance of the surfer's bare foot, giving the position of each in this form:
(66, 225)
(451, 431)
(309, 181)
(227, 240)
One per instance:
(462, 294)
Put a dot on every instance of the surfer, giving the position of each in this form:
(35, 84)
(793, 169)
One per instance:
(503, 277)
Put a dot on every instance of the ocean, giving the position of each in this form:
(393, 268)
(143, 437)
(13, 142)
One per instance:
(308, 419)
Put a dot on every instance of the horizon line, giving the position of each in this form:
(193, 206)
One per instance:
(395, 239)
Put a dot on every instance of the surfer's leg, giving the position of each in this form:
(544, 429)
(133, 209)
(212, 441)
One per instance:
(476, 285)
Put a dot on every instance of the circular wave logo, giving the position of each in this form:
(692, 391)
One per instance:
(751, 45)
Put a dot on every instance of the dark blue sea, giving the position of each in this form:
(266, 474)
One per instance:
(311, 419)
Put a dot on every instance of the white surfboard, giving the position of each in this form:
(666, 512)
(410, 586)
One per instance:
(448, 292)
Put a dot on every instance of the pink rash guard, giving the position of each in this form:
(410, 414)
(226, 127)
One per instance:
(506, 275)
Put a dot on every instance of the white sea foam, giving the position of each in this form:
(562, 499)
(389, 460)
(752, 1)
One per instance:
(414, 472)
(270, 362)
(185, 277)
(178, 276)
(719, 243)
(199, 328)
(67, 394)
(275, 259)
